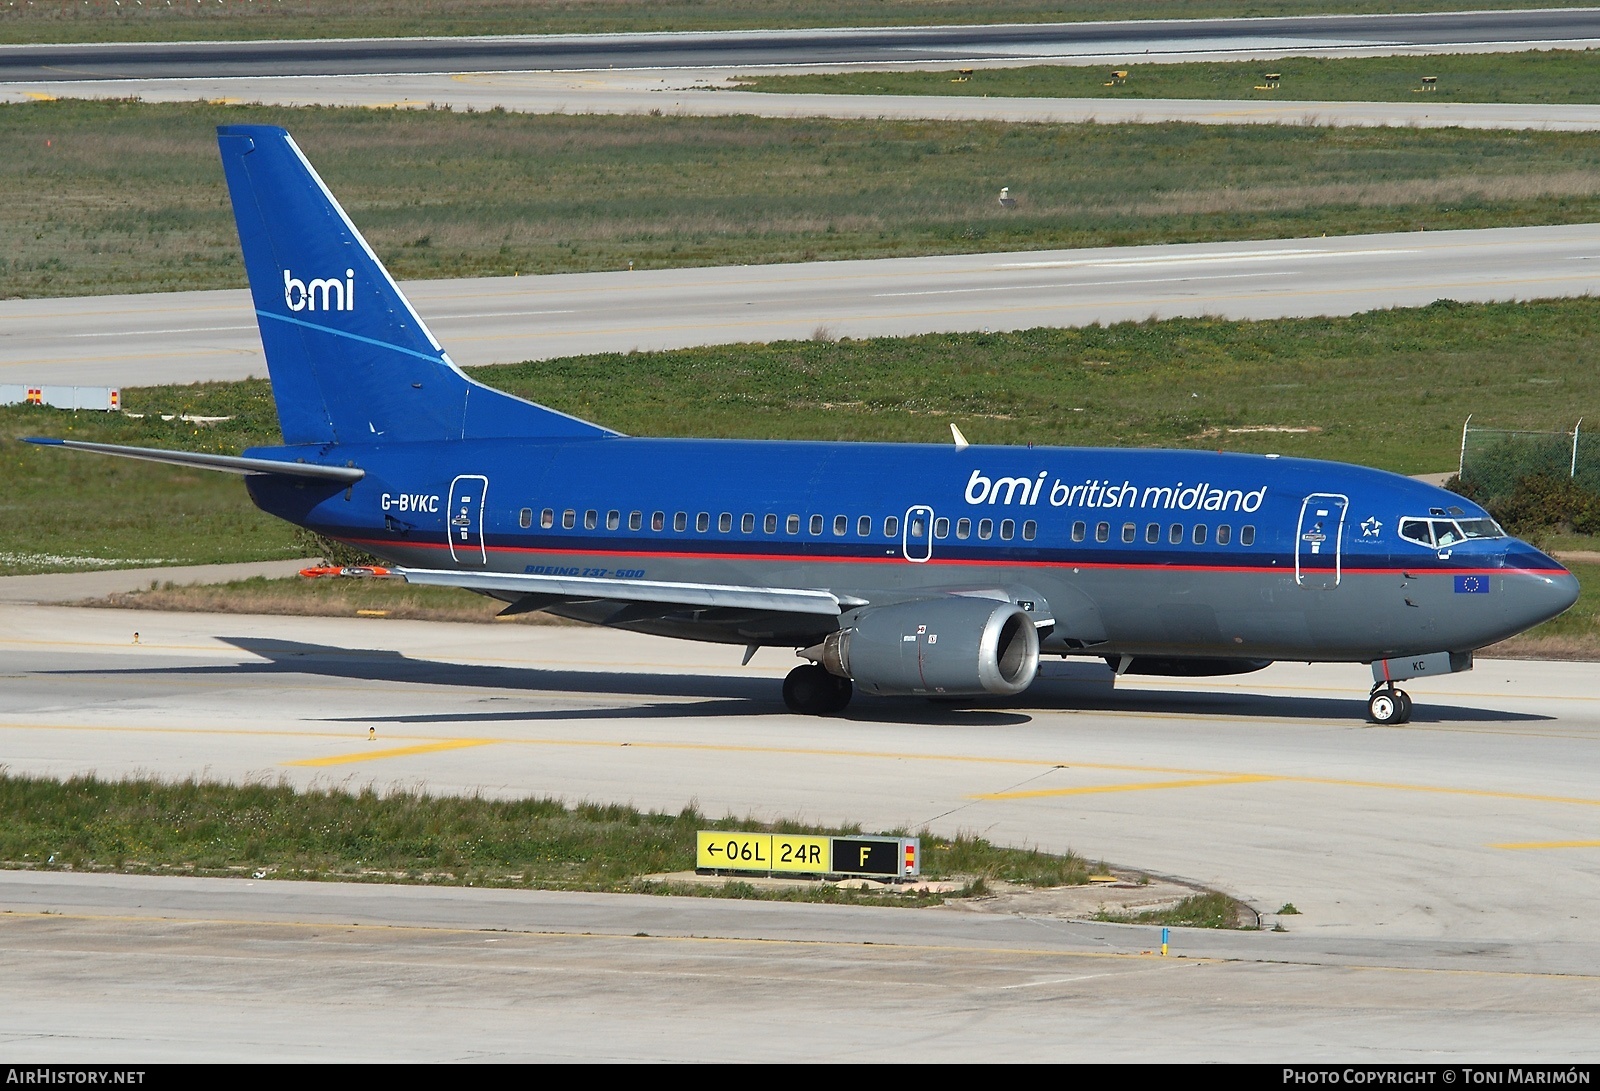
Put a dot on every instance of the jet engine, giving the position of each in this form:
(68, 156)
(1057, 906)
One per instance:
(952, 645)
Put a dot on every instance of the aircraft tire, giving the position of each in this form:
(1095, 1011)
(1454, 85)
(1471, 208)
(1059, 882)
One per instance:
(1386, 707)
(1405, 705)
(812, 691)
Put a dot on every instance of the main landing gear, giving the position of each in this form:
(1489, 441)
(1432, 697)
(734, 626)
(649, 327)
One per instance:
(1388, 705)
(813, 691)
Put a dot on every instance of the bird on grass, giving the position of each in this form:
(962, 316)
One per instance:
(1006, 200)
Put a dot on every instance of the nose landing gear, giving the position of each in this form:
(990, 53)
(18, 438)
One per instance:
(1387, 705)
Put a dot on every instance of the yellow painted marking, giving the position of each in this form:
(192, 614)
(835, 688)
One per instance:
(1485, 793)
(39, 96)
(1202, 777)
(397, 752)
(1546, 845)
(1145, 786)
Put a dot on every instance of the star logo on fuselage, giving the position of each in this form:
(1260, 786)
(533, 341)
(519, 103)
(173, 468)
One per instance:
(1370, 527)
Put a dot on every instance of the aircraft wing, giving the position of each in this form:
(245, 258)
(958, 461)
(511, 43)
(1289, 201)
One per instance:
(788, 600)
(233, 464)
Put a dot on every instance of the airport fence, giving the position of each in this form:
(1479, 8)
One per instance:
(1533, 479)
(1493, 460)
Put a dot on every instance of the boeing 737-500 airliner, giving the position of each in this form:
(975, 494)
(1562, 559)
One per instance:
(893, 568)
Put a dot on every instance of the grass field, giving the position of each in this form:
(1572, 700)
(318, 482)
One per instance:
(112, 20)
(1537, 76)
(326, 597)
(1388, 389)
(208, 828)
(126, 197)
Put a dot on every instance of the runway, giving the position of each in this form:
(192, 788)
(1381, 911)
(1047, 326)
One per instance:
(1441, 31)
(714, 93)
(199, 336)
(1443, 868)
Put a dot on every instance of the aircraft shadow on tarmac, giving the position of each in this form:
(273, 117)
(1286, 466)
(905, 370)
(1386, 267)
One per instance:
(1061, 687)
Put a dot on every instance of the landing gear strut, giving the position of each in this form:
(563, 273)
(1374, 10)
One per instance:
(812, 691)
(1388, 705)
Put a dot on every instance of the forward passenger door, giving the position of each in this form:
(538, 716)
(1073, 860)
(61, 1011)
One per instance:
(1318, 541)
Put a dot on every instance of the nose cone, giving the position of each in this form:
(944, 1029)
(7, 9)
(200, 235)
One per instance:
(1551, 593)
(1538, 588)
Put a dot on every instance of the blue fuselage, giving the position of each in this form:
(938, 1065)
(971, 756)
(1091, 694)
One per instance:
(1133, 552)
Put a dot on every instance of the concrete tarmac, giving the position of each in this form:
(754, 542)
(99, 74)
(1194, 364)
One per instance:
(1438, 31)
(711, 93)
(1443, 869)
(197, 336)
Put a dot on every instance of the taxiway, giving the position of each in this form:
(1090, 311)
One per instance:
(142, 340)
(1442, 869)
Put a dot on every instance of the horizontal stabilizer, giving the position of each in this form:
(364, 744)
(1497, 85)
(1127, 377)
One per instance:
(584, 588)
(231, 464)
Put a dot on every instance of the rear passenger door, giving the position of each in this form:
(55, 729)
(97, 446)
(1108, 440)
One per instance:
(464, 518)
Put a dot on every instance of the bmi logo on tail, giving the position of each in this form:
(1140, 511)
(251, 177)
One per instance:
(327, 294)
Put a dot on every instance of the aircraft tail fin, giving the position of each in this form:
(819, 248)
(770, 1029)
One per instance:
(350, 360)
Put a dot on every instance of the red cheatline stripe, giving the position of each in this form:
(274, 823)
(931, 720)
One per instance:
(675, 555)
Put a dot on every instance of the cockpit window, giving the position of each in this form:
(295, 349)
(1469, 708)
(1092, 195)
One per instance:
(1416, 530)
(1480, 528)
(1444, 533)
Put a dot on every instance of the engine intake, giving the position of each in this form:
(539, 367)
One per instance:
(947, 646)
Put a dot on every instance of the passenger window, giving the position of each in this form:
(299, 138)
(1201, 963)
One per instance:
(591, 519)
(941, 527)
(547, 518)
(1224, 534)
(864, 526)
(1102, 532)
(793, 524)
(1416, 530)
(769, 525)
(569, 519)
(1175, 534)
(1199, 534)
(1247, 536)
(1008, 528)
(1129, 532)
(635, 520)
(1152, 533)
(816, 524)
(891, 526)
(841, 523)
(613, 519)
(1030, 530)
(702, 522)
(985, 529)
(916, 527)
(658, 520)
(725, 522)
(747, 525)
(680, 522)
(963, 528)
(525, 518)
(1079, 531)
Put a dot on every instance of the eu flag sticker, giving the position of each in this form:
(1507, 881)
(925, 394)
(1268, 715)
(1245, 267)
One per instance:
(1472, 585)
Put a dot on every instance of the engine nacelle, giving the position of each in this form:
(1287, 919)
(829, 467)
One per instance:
(952, 645)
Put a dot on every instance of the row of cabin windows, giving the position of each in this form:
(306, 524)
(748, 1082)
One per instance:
(1175, 533)
(964, 528)
(817, 525)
